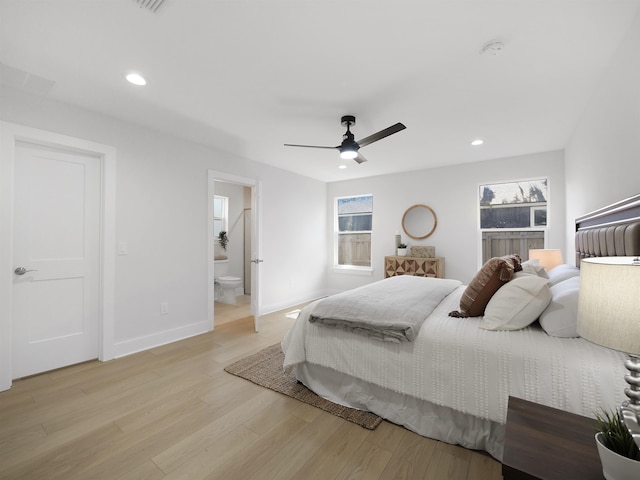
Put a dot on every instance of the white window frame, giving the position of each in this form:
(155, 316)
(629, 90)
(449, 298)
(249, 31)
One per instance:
(225, 214)
(355, 269)
(532, 227)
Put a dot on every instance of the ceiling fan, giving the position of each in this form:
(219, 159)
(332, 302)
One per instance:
(349, 147)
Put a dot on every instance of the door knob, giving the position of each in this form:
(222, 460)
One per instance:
(256, 261)
(22, 271)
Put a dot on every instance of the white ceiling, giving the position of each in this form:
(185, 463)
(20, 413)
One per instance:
(249, 76)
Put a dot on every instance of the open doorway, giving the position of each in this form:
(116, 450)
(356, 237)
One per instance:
(234, 260)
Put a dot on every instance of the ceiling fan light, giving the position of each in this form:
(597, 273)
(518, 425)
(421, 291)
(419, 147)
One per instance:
(348, 154)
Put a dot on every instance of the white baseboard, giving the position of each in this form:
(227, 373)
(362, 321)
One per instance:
(267, 309)
(140, 344)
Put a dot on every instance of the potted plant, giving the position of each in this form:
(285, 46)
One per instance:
(223, 240)
(618, 451)
(401, 251)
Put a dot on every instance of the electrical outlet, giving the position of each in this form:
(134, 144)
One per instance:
(164, 308)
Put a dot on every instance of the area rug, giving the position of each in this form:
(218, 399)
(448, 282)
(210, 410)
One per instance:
(265, 369)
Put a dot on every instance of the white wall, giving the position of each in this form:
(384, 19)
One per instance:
(452, 192)
(162, 214)
(603, 155)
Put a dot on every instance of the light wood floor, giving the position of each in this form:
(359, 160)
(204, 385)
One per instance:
(173, 413)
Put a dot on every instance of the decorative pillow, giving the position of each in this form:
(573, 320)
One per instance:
(560, 318)
(534, 267)
(493, 274)
(517, 304)
(561, 273)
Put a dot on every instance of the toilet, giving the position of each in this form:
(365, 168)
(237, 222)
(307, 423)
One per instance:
(228, 286)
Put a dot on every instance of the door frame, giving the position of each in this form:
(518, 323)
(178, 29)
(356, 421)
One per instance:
(256, 244)
(11, 133)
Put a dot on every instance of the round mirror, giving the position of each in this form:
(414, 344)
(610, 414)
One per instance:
(419, 222)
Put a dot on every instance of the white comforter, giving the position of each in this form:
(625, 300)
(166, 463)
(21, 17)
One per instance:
(454, 363)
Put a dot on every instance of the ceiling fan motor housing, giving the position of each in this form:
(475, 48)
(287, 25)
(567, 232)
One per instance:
(348, 121)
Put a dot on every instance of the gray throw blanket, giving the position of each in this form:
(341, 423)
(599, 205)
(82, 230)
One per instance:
(392, 309)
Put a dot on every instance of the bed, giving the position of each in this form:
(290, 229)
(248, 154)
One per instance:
(452, 381)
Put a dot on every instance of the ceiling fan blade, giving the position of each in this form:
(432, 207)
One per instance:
(308, 146)
(359, 158)
(381, 134)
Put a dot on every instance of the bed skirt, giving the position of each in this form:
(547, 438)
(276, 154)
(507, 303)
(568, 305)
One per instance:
(424, 418)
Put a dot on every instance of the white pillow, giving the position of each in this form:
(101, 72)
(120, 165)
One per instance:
(561, 273)
(560, 318)
(517, 303)
(533, 266)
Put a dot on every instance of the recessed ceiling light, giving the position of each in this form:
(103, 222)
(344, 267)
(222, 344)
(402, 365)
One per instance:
(136, 79)
(342, 167)
(477, 142)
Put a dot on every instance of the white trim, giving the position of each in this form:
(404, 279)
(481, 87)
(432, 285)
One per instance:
(256, 225)
(353, 270)
(134, 345)
(10, 133)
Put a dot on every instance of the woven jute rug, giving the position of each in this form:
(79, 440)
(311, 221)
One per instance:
(265, 369)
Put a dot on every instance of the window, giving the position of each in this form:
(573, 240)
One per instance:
(354, 217)
(220, 214)
(513, 217)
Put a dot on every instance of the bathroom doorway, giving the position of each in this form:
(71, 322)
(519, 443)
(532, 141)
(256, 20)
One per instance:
(233, 279)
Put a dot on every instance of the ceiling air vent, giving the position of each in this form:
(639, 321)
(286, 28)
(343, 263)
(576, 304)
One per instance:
(151, 5)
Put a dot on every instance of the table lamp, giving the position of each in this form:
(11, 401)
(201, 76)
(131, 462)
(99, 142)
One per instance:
(609, 315)
(548, 257)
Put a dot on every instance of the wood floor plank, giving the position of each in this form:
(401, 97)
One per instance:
(217, 429)
(369, 461)
(411, 458)
(260, 452)
(146, 471)
(213, 454)
(176, 405)
(335, 454)
(299, 449)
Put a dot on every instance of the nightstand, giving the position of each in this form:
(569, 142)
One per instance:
(546, 443)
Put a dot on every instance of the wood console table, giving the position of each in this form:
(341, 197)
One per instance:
(546, 443)
(418, 266)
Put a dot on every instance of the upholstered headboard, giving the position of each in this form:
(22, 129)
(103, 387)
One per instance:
(611, 231)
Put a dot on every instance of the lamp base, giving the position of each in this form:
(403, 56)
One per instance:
(630, 409)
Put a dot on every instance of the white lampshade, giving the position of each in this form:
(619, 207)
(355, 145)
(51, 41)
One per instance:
(548, 257)
(609, 303)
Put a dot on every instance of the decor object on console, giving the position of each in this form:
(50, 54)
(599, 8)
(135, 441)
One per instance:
(401, 251)
(419, 221)
(608, 314)
(421, 267)
(548, 257)
(421, 251)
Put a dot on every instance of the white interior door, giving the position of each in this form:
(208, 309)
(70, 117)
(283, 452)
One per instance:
(256, 258)
(56, 302)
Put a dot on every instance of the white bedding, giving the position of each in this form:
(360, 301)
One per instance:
(454, 364)
(391, 310)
